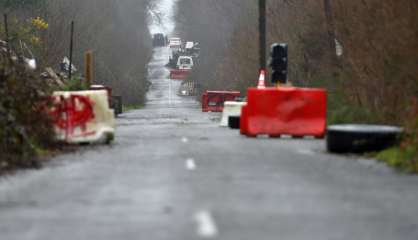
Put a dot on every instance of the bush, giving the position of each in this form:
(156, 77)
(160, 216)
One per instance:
(25, 128)
(76, 83)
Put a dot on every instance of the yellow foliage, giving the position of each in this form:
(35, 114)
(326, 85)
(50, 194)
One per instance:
(40, 23)
(35, 40)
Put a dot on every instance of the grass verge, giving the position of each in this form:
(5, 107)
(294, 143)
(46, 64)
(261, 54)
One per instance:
(127, 108)
(405, 156)
(404, 159)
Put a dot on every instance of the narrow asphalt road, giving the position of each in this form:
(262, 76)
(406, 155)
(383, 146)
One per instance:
(174, 174)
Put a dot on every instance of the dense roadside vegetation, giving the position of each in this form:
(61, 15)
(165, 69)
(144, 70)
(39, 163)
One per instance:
(25, 128)
(115, 32)
(375, 80)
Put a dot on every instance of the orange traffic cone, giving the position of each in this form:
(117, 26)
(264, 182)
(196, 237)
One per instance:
(262, 80)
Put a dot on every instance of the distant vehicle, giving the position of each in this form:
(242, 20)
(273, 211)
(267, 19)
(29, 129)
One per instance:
(189, 45)
(172, 63)
(192, 49)
(174, 41)
(175, 44)
(185, 63)
(159, 40)
(182, 68)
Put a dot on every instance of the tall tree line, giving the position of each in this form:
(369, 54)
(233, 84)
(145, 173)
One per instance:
(115, 31)
(375, 79)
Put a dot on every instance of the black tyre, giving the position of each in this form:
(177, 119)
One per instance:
(234, 122)
(361, 138)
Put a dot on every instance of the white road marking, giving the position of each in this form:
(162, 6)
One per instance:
(190, 164)
(169, 92)
(206, 226)
(184, 139)
(306, 152)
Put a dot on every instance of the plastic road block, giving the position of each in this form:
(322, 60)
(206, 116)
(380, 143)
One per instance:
(179, 74)
(83, 117)
(231, 109)
(284, 111)
(213, 101)
(102, 87)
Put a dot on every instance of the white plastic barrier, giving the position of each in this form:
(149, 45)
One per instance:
(231, 109)
(83, 117)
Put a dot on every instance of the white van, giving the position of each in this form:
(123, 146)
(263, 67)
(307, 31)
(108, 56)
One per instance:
(175, 43)
(185, 63)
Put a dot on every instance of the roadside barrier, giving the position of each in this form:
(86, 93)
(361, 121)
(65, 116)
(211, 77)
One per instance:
(231, 109)
(83, 117)
(280, 111)
(213, 101)
(179, 74)
(187, 89)
(102, 87)
(115, 102)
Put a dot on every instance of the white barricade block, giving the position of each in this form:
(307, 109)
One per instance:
(231, 109)
(83, 117)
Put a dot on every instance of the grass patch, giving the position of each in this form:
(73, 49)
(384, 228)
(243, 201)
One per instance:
(405, 156)
(127, 108)
(402, 158)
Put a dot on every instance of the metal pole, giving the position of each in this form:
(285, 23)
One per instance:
(263, 33)
(71, 52)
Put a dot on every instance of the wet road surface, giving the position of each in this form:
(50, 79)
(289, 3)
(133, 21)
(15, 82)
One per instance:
(174, 174)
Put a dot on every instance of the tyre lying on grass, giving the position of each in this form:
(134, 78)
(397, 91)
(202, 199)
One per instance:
(361, 138)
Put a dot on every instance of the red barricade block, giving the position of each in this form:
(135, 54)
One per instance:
(285, 111)
(179, 74)
(82, 116)
(213, 101)
(72, 112)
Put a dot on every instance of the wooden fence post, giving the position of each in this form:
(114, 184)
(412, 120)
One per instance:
(88, 69)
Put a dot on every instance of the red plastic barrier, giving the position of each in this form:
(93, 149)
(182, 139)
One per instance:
(285, 111)
(213, 101)
(67, 114)
(179, 74)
